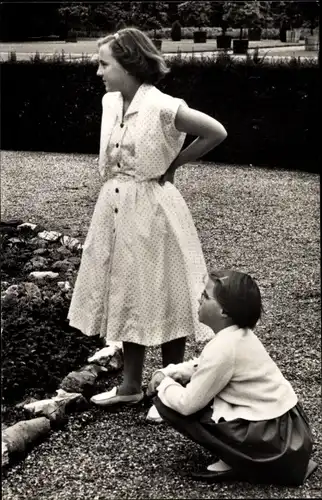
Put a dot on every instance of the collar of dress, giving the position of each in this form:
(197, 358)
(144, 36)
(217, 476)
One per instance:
(136, 102)
(112, 110)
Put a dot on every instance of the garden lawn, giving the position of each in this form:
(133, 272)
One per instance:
(90, 46)
(265, 222)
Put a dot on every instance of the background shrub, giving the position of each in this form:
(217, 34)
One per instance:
(269, 110)
(187, 32)
(176, 31)
(213, 32)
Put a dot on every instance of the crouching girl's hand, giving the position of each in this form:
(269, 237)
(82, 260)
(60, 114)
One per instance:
(155, 381)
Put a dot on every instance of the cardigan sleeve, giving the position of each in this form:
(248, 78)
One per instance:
(215, 370)
(181, 372)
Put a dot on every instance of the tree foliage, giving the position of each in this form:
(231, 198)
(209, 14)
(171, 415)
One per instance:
(195, 13)
(293, 14)
(26, 20)
(149, 15)
(245, 14)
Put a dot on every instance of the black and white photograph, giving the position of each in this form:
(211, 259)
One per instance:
(160, 250)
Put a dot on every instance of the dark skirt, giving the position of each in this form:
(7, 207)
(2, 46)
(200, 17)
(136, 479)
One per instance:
(275, 451)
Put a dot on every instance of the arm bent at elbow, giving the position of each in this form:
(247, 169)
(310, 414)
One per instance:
(196, 123)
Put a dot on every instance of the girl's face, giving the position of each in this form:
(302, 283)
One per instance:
(210, 311)
(113, 74)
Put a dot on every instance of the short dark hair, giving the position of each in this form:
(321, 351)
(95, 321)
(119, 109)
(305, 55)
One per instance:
(138, 55)
(239, 296)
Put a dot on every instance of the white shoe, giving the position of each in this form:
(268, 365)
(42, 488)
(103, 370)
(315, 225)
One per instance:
(111, 398)
(154, 416)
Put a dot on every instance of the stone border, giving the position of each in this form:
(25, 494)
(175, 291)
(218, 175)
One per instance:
(48, 414)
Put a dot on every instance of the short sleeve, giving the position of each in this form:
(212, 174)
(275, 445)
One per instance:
(167, 115)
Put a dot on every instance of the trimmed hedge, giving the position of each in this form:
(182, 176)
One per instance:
(270, 110)
(187, 33)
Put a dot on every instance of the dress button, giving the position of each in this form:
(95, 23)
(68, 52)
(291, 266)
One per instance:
(117, 145)
(122, 125)
(116, 210)
(118, 164)
(117, 190)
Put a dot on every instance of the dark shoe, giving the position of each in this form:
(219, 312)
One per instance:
(215, 476)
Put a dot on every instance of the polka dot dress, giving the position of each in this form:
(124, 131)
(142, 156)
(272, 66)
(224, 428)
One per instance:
(142, 269)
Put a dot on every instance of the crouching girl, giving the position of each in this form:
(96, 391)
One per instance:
(234, 400)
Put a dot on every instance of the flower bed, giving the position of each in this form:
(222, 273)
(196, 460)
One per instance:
(39, 348)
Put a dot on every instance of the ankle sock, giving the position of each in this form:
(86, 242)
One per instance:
(219, 466)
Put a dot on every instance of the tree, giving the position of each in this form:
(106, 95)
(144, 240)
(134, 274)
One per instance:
(103, 16)
(149, 15)
(310, 12)
(287, 14)
(26, 20)
(195, 13)
(244, 14)
(217, 16)
(73, 16)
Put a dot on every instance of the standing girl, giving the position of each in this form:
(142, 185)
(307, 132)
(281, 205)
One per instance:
(142, 267)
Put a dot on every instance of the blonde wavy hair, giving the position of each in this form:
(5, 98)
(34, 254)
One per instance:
(137, 54)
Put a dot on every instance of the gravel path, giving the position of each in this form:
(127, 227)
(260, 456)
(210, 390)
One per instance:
(266, 222)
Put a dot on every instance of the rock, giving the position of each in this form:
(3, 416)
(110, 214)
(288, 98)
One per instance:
(71, 243)
(11, 222)
(27, 225)
(49, 408)
(72, 400)
(75, 261)
(8, 230)
(57, 298)
(64, 251)
(16, 241)
(64, 285)
(25, 402)
(57, 407)
(81, 380)
(19, 436)
(4, 454)
(25, 288)
(28, 267)
(110, 357)
(37, 263)
(40, 251)
(43, 274)
(32, 291)
(4, 284)
(39, 243)
(116, 362)
(12, 290)
(50, 235)
(62, 265)
(39, 260)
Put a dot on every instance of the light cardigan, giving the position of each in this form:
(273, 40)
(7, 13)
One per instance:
(237, 373)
